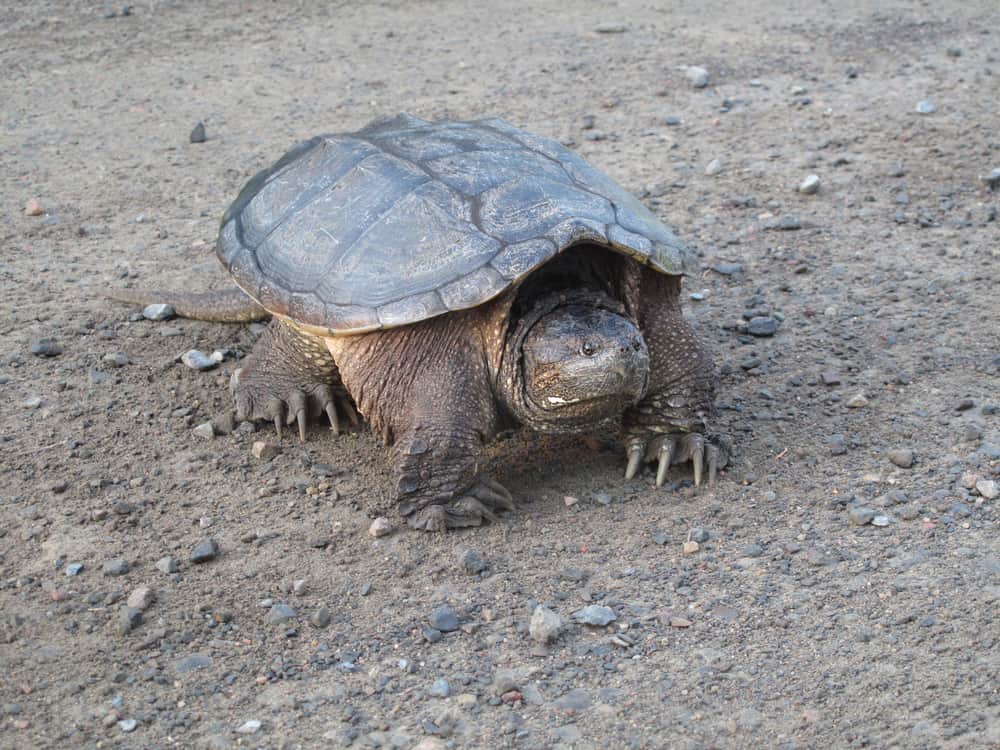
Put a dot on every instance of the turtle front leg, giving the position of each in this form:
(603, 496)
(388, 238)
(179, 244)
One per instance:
(425, 389)
(671, 424)
(291, 378)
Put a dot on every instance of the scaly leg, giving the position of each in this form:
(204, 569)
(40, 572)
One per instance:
(669, 426)
(289, 378)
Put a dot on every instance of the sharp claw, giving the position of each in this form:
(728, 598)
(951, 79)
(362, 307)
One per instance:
(666, 453)
(499, 494)
(301, 417)
(697, 461)
(348, 408)
(331, 412)
(636, 450)
(713, 463)
(276, 410)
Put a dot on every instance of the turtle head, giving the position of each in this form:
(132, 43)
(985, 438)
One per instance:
(581, 364)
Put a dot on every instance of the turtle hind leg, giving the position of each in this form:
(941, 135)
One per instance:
(223, 306)
(290, 378)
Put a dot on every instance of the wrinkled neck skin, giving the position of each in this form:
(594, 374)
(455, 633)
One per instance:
(571, 360)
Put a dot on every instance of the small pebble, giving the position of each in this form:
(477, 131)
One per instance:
(439, 689)
(690, 547)
(205, 551)
(699, 535)
(545, 625)
(45, 348)
(810, 185)
(115, 359)
(280, 613)
(838, 445)
(762, 325)
(610, 28)
(992, 180)
(320, 618)
(204, 430)
(473, 562)
(697, 76)
(713, 168)
(926, 107)
(444, 619)
(73, 569)
(33, 208)
(167, 565)
(265, 450)
(129, 618)
(249, 727)
(856, 401)
(881, 520)
(197, 360)
(197, 133)
(128, 725)
(860, 515)
(987, 488)
(595, 614)
(117, 567)
(380, 527)
(141, 598)
(159, 312)
(901, 457)
(954, 52)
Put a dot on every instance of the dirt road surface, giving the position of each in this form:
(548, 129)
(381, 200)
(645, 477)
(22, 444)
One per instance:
(846, 587)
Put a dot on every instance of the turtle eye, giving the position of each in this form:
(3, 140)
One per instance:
(588, 349)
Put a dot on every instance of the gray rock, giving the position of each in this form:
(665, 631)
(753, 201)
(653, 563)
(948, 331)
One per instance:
(280, 613)
(431, 635)
(320, 618)
(699, 535)
(545, 625)
(141, 598)
(926, 107)
(167, 565)
(205, 430)
(698, 76)
(838, 445)
(205, 551)
(444, 619)
(861, 515)
(603, 498)
(595, 614)
(117, 567)
(440, 689)
(159, 312)
(992, 180)
(197, 134)
(576, 699)
(810, 185)
(249, 727)
(762, 325)
(901, 457)
(129, 618)
(987, 488)
(197, 360)
(115, 359)
(610, 28)
(45, 348)
(128, 725)
(73, 569)
(881, 520)
(713, 168)
(192, 663)
(473, 562)
(671, 120)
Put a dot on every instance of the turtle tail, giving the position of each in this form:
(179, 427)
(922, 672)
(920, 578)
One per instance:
(221, 306)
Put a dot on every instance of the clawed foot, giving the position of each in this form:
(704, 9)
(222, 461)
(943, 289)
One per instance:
(677, 448)
(479, 503)
(262, 400)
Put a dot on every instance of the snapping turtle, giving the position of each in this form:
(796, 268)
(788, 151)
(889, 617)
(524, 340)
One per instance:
(453, 280)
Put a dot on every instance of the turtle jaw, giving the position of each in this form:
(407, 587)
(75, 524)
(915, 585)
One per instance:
(580, 365)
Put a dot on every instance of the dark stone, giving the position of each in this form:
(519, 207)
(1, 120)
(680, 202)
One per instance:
(762, 326)
(204, 552)
(198, 133)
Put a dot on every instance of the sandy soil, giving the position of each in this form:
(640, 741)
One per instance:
(792, 626)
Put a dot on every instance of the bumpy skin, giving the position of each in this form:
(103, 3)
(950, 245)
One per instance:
(291, 378)
(425, 389)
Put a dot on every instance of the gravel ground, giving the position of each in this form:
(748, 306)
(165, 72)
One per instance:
(162, 584)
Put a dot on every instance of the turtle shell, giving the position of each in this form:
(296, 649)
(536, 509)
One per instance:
(408, 219)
